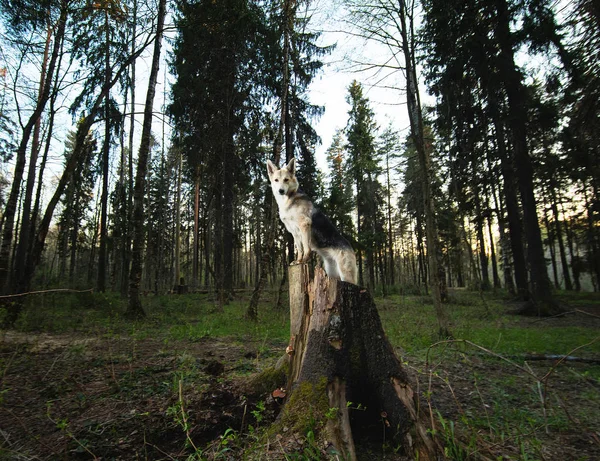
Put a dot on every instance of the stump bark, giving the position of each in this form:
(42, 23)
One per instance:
(339, 350)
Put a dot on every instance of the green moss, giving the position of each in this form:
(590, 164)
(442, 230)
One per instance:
(304, 411)
(269, 379)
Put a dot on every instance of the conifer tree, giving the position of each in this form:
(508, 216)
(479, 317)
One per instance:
(364, 169)
(338, 205)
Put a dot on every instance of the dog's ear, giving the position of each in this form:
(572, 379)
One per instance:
(291, 167)
(271, 168)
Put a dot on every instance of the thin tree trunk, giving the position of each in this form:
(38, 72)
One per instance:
(391, 279)
(103, 250)
(178, 280)
(134, 307)
(8, 216)
(572, 255)
(126, 255)
(483, 259)
(551, 249)
(23, 245)
(196, 240)
(495, 275)
(271, 217)
(559, 238)
(512, 211)
(438, 283)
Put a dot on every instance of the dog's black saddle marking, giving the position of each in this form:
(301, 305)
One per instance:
(324, 233)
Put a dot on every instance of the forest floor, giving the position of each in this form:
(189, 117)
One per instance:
(79, 382)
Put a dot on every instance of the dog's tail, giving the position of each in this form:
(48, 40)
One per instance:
(347, 266)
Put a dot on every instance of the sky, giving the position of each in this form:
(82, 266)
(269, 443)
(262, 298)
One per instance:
(330, 88)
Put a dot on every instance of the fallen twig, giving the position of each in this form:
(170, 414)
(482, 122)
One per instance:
(57, 290)
(587, 313)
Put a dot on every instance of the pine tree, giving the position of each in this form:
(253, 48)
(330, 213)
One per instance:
(338, 205)
(363, 169)
(76, 201)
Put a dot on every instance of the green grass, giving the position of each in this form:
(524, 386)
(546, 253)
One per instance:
(411, 324)
(186, 317)
(409, 321)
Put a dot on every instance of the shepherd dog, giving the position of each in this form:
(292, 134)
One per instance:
(311, 229)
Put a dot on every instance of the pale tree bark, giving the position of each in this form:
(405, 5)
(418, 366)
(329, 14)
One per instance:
(134, 307)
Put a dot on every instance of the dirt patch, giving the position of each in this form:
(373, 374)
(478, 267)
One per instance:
(80, 398)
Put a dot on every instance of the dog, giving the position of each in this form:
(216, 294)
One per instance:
(311, 229)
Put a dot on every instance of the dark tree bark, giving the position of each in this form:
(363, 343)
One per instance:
(271, 224)
(103, 250)
(339, 354)
(512, 205)
(543, 303)
(559, 238)
(134, 307)
(495, 275)
(483, 259)
(575, 267)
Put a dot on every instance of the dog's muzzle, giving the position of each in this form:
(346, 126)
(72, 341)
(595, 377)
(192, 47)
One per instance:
(281, 192)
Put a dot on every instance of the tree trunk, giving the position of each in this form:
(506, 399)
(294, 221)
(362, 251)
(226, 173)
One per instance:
(436, 278)
(103, 250)
(559, 238)
(344, 372)
(196, 239)
(572, 255)
(134, 307)
(177, 262)
(543, 303)
(512, 205)
(271, 224)
(483, 259)
(391, 278)
(551, 248)
(23, 245)
(8, 216)
(126, 256)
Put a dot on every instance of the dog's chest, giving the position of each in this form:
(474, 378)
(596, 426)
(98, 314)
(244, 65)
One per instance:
(289, 219)
(295, 213)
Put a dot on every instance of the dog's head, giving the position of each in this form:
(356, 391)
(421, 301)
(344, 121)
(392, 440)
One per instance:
(283, 181)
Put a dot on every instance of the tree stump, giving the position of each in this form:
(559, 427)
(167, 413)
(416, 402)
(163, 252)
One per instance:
(344, 369)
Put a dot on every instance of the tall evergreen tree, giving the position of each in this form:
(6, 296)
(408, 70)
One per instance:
(214, 94)
(76, 201)
(364, 169)
(134, 306)
(338, 204)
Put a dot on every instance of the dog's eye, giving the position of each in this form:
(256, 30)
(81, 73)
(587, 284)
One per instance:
(277, 180)
(286, 180)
